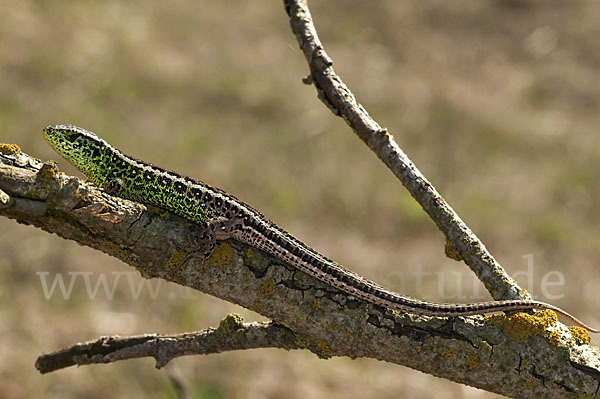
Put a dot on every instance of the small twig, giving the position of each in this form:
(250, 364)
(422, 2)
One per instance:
(232, 334)
(462, 244)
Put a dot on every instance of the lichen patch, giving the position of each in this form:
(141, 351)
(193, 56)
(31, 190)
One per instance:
(554, 338)
(317, 304)
(49, 170)
(175, 260)
(495, 319)
(267, 288)
(451, 251)
(580, 335)
(519, 327)
(449, 353)
(473, 362)
(221, 256)
(9, 149)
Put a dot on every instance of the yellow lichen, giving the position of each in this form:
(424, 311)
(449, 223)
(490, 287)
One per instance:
(317, 304)
(521, 326)
(554, 338)
(221, 256)
(528, 384)
(249, 253)
(449, 353)
(451, 252)
(175, 260)
(473, 362)
(9, 149)
(580, 335)
(418, 348)
(495, 319)
(48, 170)
(267, 289)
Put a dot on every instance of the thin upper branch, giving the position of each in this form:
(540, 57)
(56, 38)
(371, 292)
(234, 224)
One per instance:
(522, 356)
(462, 243)
(232, 334)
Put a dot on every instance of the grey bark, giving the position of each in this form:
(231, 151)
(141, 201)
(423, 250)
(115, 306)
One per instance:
(520, 356)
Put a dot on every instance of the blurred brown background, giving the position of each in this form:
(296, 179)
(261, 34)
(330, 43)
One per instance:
(496, 102)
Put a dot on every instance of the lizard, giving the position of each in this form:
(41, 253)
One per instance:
(223, 216)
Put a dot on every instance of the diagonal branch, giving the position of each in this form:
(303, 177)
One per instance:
(232, 334)
(520, 356)
(462, 243)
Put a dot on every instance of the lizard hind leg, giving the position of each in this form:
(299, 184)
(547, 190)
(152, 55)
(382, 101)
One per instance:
(212, 230)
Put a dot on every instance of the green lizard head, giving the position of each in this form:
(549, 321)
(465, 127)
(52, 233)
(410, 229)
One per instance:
(86, 151)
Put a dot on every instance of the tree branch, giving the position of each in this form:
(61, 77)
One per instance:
(232, 334)
(521, 356)
(461, 242)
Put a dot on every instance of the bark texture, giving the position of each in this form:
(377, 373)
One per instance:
(519, 356)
